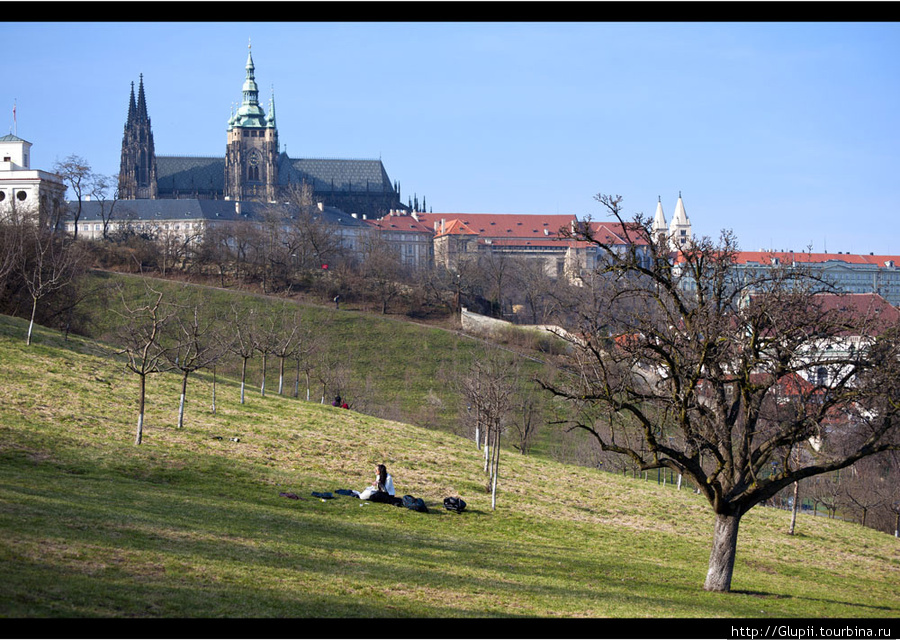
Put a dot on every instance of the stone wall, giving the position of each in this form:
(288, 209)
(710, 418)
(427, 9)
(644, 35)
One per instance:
(493, 327)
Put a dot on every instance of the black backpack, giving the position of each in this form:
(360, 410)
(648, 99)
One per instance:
(416, 504)
(454, 504)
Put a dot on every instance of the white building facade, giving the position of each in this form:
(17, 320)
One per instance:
(23, 190)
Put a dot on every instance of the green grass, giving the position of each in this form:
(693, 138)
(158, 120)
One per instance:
(187, 525)
(397, 368)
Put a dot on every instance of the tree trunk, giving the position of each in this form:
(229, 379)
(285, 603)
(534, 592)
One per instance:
(262, 389)
(184, 379)
(31, 324)
(243, 378)
(494, 492)
(140, 424)
(795, 506)
(724, 549)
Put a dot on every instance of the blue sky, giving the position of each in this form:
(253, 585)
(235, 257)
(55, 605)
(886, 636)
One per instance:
(786, 133)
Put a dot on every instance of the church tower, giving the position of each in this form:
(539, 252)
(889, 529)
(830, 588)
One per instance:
(660, 229)
(680, 228)
(137, 169)
(251, 154)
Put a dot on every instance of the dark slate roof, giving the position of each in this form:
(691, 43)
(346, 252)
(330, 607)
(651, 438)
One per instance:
(326, 174)
(185, 174)
(193, 209)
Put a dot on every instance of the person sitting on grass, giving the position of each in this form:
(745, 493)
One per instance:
(382, 490)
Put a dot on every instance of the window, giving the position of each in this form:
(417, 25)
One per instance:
(21, 195)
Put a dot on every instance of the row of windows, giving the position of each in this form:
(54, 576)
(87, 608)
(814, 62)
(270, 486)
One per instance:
(20, 195)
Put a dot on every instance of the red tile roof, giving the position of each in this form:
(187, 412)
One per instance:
(862, 307)
(787, 257)
(393, 222)
(492, 225)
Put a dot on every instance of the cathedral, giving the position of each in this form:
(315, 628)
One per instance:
(254, 169)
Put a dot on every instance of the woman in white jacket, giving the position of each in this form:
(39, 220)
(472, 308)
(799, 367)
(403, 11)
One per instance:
(384, 483)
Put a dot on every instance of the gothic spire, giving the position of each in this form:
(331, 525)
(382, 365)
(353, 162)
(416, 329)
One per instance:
(271, 117)
(131, 106)
(142, 101)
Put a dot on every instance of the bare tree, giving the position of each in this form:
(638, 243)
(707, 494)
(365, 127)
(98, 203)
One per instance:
(47, 263)
(527, 418)
(312, 241)
(536, 288)
(333, 374)
(382, 270)
(825, 490)
(861, 493)
(499, 268)
(139, 333)
(268, 329)
(192, 342)
(11, 247)
(77, 174)
(308, 347)
(489, 388)
(243, 343)
(689, 349)
(104, 189)
(289, 338)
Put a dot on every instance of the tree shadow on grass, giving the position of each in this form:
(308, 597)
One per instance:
(786, 596)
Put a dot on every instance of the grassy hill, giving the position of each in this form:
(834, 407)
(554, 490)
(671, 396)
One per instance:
(193, 524)
(396, 369)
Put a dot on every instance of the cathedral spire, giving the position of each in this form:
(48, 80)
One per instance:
(131, 107)
(250, 114)
(271, 117)
(137, 166)
(142, 101)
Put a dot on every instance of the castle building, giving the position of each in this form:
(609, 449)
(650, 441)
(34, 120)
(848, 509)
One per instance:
(27, 191)
(254, 168)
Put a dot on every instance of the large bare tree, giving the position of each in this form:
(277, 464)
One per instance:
(676, 369)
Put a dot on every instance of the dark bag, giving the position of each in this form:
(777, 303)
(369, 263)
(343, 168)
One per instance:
(416, 504)
(454, 504)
